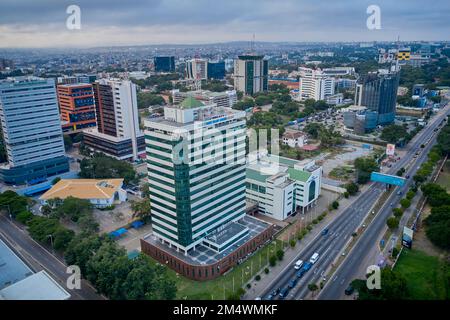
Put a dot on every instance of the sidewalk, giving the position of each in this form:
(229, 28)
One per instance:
(258, 287)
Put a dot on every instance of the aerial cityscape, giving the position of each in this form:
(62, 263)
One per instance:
(162, 151)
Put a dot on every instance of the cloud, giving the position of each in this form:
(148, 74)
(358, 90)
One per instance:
(28, 23)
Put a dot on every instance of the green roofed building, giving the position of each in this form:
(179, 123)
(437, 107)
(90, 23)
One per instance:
(291, 185)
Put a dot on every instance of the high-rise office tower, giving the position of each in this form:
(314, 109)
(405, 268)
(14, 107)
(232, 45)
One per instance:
(197, 188)
(314, 84)
(197, 69)
(378, 92)
(32, 130)
(251, 74)
(164, 64)
(117, 133)
(216, 70)
(77, 107)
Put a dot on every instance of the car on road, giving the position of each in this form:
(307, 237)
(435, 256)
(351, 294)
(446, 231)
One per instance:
(399, 193)
(276, 292)
(314, 258)
(292, 283)
(298, 264)
(300, 273)
(283, 293)
(269, 297)
(407, 176)
(258, 298)
(349, 290)
(324, 232)
(307, 266)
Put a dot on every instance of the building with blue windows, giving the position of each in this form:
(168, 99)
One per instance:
(32, 131)
(164, 64)
(216, 70)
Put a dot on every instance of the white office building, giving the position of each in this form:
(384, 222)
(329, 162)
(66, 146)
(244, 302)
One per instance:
(117, 133)
(314, 84)
(293, 186)
(196, 177)
(32, 131)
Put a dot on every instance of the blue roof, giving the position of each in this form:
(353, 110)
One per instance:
(12, 268)
(33, 191)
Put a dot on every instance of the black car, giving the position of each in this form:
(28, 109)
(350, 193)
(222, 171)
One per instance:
(283, 293)
(349, 290)
(276, 292)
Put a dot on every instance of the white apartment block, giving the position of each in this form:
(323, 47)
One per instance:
(196, 177)
(314, 84)
(294, 186)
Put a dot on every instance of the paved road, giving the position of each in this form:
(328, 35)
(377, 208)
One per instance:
(38, 258)
(354, 262)
(330, 247)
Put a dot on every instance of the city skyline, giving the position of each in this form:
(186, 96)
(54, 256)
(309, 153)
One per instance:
(176, 22)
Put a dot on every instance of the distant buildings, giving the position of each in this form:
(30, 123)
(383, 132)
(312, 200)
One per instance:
(202, 69)
(77, 107)
(251, 74)
(100, 193)
(404, 56)
(223, 99)
(197, 190)
(164, 64)
(339, 71)
(32, 130)
(117, 133)
(294, 186)
(78, 78)
(314, 84)
(197, 69)
(378, 92)
(6, 64)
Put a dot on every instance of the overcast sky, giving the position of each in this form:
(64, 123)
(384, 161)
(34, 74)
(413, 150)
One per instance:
(42, 23)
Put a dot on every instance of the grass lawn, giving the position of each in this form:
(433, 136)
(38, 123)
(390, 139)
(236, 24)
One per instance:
(214, 289)
(427, 276)
(444, 177)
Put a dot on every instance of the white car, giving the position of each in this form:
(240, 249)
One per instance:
(298, 264)
(314, 258)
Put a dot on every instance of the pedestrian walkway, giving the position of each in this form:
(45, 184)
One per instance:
(258, 287)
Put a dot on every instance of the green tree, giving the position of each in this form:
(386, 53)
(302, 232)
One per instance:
(405, 203)
(364, 167)
(313, 288)
(392, 223)
(352, 188)
(393, 133)
(280, 254)
(141, 209)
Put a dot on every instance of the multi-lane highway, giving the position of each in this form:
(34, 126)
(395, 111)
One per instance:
(332, 245)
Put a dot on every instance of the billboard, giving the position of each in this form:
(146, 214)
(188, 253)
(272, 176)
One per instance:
(390, 150)
(407, 237)
(387, 178)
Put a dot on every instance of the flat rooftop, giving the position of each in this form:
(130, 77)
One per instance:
(12, 268)
(231, 230)
(203, 255)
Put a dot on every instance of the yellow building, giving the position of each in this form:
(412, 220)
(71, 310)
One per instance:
(100, 192)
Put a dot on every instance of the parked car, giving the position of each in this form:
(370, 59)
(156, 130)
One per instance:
(307, 266)
(325, 231)
(276, 292)
(300, 273)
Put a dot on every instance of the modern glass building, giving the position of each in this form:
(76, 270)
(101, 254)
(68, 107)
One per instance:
(216, 70)
(196, 172)
(32, 130)
(164, 64)
(379, 94)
